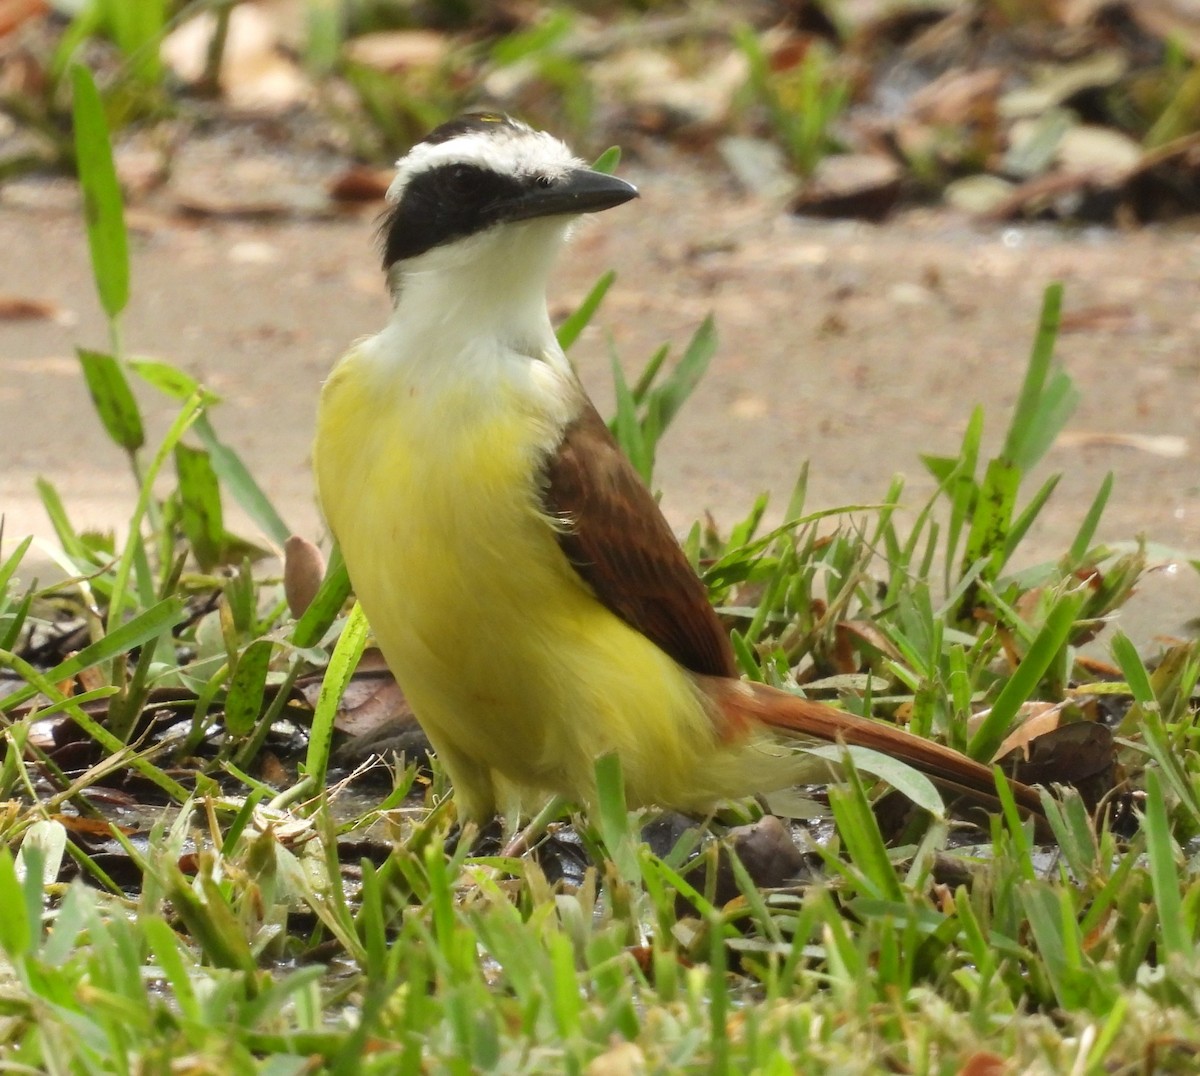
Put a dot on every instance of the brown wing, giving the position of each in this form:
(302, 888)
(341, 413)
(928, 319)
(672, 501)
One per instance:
(619, 542)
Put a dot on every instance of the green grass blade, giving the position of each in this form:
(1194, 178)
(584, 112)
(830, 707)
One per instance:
(39, 681)
(140, 629)
(342, 663)
(64, 529)
(187, 415)
(859, 830)
(325, 607)
(1021, 686)
(1046, 399)
(686, 375)
(238, 480)
(1020, 525)
(1164, 871)
(200, 513)
(904, 778)
(113, 398)
(613, 817)
(577, 321)
(627, 429)
(12, 562)
(607, 161)
(103, 211)
(1087, 530)
(169, 379)
(990, 522)
(1133, 668)
(16, 931)
(243, 704)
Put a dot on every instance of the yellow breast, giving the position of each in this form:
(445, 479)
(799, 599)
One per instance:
(512, 666)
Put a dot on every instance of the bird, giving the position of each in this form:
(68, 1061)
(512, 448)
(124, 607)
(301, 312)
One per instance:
(518, 575)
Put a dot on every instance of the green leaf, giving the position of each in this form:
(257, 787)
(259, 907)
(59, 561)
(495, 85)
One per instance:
(140, 629)
(905, 779)
(16, 931)
(1164, 869)
(64, 529)
(200, 504)
(246, 491)
(13, 622)
(687, 374)
(577, 321)
(607, 161)
(1021, 685)
(1047, 397)
(1056, 932)
(324, 609)
(102, 206)
(164, 944)
(1020, 526)
(993, 514)
(1134, 670)
(244, 702)
(342, 663)
(859, 830)
(1087, 530)
(612, 816)
(170, 380)
(114, 400)
(13, 561)
(627, 429)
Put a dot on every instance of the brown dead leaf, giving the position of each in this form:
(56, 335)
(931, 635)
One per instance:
(864, 632)
(271, 770)
(1102, 670)
(303, 570)
(90, 827)
(1081, 754)
(982, 1063)
(864, 186)
(959, 97)
(1102, 317)
(1036, 719)
(1056, 195)
(15, 12)
(23, 308)
(358, 183)
(372, 703)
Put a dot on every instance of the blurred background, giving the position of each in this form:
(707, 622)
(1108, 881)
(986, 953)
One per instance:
(870, 197)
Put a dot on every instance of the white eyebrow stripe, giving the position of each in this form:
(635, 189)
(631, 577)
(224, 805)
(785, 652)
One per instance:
(506, 150)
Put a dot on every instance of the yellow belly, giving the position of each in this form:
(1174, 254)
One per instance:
(514, 669)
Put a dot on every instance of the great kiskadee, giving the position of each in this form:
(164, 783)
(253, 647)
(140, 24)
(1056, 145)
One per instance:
(522, 583)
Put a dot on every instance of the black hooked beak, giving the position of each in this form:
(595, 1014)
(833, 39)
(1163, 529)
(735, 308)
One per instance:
(580, 191)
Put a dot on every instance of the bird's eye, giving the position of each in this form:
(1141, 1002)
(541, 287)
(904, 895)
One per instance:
(545, 182)
(463, 180)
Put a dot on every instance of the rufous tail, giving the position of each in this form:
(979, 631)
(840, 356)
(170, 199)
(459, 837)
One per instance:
(745, 705)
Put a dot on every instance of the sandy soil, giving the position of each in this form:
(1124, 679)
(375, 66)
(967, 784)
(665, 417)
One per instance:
(854, 346)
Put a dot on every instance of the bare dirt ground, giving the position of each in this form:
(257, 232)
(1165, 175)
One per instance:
(855, 346)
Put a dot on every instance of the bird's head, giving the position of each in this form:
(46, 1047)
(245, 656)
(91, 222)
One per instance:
(473, 182)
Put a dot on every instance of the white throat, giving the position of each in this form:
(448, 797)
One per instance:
(491, 285)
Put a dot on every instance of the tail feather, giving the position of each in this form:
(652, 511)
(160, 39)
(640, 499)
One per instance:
(744, 705)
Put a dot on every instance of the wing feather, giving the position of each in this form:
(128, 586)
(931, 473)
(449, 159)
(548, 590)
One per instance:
(616, 537)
